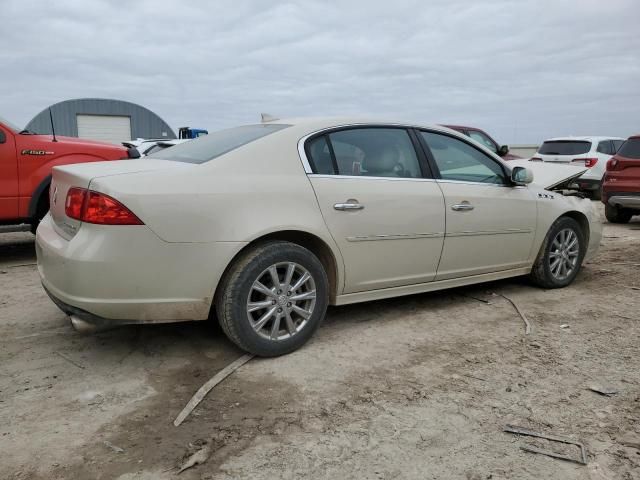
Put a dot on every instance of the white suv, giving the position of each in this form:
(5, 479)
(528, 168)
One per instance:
(591, 152)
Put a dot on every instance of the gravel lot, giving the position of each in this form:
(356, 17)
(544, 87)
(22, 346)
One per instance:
(416, 387)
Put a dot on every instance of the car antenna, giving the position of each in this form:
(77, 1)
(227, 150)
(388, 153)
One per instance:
(53, 130)
(265, 117)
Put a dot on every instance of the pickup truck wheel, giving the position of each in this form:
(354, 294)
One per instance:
(560, 256)
(617, 214)
(273, 298)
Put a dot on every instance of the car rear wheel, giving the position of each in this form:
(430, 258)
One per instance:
(561, 255)
(273, 299)
(617, 214)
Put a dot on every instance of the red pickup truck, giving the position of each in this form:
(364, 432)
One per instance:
(26, 160)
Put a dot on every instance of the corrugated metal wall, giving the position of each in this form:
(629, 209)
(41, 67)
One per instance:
(144, 123)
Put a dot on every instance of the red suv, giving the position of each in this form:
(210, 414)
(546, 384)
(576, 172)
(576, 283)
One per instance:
(621, 183)
(483, 138)
(26, 160)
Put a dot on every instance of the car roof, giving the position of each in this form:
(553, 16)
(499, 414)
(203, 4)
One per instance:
(584, 138)
(462, 127)
(320, 123)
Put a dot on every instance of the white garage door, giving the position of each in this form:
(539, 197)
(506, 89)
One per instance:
(108, 128)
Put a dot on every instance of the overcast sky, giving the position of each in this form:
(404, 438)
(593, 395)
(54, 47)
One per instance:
(524, 70)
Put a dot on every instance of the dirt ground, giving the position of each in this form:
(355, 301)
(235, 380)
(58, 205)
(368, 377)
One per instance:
(418, 387)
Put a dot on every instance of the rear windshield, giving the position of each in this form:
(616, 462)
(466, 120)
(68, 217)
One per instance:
(208, 147)
(564, 147)
(630, 148)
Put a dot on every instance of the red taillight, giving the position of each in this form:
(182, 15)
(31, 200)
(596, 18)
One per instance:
(535, 159)
(588, 162)
(95, 207)
(612, 164)
(74, 203)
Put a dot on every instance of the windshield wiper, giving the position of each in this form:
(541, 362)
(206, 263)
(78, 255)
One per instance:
(27, 132)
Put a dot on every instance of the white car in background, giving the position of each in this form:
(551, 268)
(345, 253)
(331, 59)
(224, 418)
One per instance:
(590, 152)
(262, 226)
(149, 146)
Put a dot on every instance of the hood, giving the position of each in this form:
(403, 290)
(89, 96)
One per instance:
(550, 176)
(77, 141)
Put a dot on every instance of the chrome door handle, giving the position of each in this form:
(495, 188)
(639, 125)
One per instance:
(348, 206)
(462, 207)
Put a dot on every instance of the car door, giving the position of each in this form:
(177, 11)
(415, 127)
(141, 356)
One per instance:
(490, 224)
(8, 176)
(378, 201)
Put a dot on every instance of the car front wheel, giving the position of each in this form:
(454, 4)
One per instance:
(561, 255)
(273, 299)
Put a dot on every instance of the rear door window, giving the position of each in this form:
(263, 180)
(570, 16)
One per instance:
(605, 147)
(365, 152)
(617, 144)
(564, 147)
(630, 148)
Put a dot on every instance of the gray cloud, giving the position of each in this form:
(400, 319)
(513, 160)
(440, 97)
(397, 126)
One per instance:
(524, 70)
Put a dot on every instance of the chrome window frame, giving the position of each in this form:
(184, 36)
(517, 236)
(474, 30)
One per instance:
(310, 173)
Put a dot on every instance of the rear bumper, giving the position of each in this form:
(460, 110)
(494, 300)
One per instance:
(624, 200)
(128, 275)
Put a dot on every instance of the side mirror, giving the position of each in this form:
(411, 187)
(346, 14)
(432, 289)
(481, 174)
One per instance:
(132, 152)
(503, 150)
(3, 137)
(521, 175)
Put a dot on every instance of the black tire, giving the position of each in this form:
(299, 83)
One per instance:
(236, 288)
(617, 214)
(595, 194)
(541, 273)
(41, 210)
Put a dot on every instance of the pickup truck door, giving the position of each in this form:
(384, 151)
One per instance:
(8, 176)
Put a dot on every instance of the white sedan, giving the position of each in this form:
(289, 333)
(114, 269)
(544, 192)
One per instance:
(263, 226)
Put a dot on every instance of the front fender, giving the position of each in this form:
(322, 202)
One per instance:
(553, 205)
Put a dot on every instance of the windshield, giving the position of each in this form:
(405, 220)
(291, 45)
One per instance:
(6, 123)
(630, 148)
(564, 147)
(483, 139)
(210, 146)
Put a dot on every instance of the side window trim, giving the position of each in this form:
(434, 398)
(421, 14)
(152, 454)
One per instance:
(434, 165)
(332, 153)
(423, 160)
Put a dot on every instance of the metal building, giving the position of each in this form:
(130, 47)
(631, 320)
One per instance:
(101, 119)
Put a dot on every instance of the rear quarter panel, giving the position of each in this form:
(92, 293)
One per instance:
(258, 189)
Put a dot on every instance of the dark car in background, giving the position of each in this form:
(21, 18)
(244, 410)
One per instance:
(621, 182)
(483, 138)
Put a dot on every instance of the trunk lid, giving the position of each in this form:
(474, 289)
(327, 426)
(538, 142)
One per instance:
(80, 175)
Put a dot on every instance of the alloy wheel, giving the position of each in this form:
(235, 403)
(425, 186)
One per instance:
(281, 301)
(564, 253)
